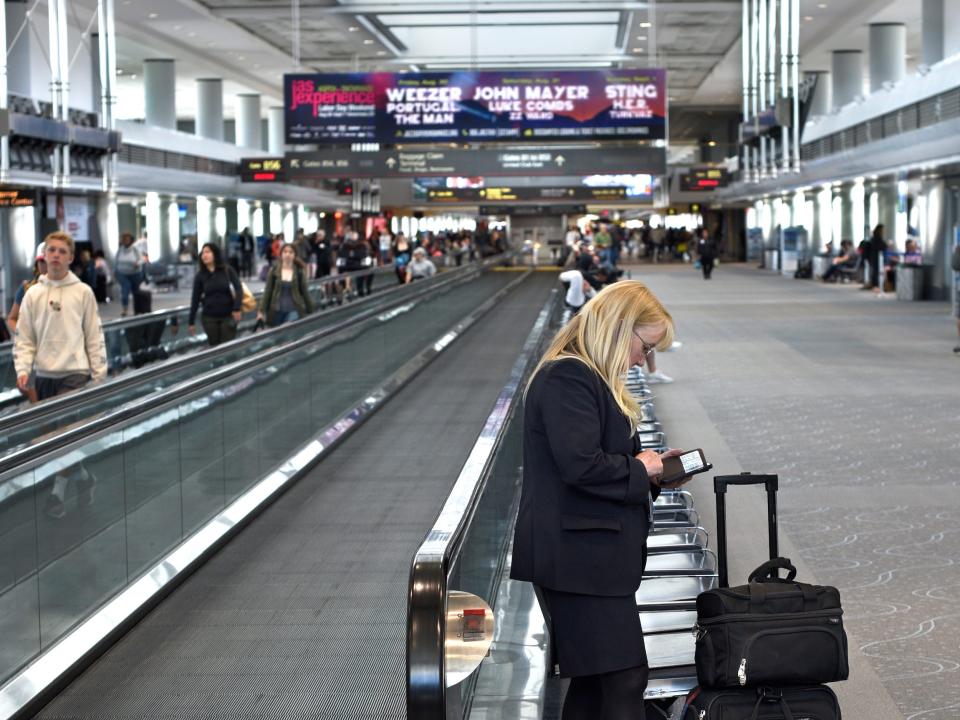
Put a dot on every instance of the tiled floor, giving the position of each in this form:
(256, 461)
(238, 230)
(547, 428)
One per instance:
(854, 401)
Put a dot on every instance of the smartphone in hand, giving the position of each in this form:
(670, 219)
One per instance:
(678, 470)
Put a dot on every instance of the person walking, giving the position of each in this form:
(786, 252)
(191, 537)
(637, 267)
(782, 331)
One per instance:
(706, 251)
(421, 267)
(59, 337)
(587, 498)
(128, 267)
(217, 287)
(401, 256)
(876, 246)
(286, 296)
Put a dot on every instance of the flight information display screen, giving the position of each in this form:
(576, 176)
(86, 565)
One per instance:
(628, 104)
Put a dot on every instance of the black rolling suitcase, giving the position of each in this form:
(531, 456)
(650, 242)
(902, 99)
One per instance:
(772, 631)
(761, 648)
(813, 703)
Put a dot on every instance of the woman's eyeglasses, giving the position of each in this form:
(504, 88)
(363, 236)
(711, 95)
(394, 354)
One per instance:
(647, 349)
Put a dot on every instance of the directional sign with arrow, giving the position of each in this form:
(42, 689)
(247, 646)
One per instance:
(478, 163)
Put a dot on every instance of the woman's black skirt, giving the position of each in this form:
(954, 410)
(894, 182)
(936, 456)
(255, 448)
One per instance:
(593, 634)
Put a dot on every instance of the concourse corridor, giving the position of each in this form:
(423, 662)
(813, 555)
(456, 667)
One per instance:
(854, 401)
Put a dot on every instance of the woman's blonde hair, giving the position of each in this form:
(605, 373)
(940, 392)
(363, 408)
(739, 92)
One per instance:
(600, 336)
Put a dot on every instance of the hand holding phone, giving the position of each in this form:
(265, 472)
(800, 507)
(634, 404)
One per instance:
(679, 469)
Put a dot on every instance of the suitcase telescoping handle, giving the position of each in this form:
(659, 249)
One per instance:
(720, 483)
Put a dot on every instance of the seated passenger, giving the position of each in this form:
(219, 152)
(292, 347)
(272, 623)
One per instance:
(912, 254)
(420, 267)
(846, 259)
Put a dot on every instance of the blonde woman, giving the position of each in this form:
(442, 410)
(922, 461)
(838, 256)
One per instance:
(587, 498)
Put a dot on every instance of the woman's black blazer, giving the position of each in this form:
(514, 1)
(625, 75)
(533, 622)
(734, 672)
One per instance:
(583, 520)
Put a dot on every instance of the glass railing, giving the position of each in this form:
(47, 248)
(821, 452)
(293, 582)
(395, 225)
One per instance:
(136, 341)
(31, 423)
(466, 548)
(81, 523)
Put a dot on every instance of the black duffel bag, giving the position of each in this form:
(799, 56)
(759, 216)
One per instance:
(762, 704)
(770, 632)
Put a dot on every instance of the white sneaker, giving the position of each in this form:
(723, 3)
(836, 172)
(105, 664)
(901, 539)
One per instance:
(675, 345)
(659, 377)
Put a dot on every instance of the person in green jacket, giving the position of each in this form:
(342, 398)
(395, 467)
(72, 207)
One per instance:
(286, 296)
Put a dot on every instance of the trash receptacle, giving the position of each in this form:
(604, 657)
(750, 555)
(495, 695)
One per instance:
(820, 265)
(771, 260)
(910, 285)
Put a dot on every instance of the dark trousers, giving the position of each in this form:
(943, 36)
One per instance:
(874, 260)
(48, 387)
(707, 267)
(365, 284)
(611, 696)
(218, 330)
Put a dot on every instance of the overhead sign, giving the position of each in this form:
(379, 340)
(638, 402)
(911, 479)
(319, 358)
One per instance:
(263, 170)
(698, 179)
(521, 194)
(628, 104)
(475, 163)
(17, 197)
(529, 210)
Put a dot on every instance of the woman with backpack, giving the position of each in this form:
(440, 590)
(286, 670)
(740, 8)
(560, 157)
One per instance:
(286, 296)
(217, 287)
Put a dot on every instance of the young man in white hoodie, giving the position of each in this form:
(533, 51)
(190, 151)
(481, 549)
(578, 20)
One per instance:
(59, 334)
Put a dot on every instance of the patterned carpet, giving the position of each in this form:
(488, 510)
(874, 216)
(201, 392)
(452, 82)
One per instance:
(854, 401)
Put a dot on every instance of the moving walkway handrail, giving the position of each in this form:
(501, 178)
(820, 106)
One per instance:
(166, 313)
(21, 456)
(428, 590)
(155, 371)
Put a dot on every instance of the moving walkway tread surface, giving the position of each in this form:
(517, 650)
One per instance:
(303, 614)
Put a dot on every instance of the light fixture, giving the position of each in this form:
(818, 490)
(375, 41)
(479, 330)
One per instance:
(645, 24)
(368, 41)
(638, 49)
(808, 18)
(822, 5)
(133, 77)
(712, 143)
(353, 28)
(153, 16)
(381, 52)
(641, 37)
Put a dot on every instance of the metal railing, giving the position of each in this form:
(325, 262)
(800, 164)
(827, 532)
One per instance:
(466, 547)
(19, 432)
(118, 333)
(175, 341)
(925, 113)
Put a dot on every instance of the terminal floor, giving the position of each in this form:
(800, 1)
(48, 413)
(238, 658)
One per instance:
(854, 401)
(304, 613)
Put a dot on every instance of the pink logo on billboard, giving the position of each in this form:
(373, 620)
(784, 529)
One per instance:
(304, 92)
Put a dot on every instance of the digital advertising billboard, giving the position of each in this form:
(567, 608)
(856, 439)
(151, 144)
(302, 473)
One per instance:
(394, 108)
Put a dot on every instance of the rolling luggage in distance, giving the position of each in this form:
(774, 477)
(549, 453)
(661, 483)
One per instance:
(771, 631)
